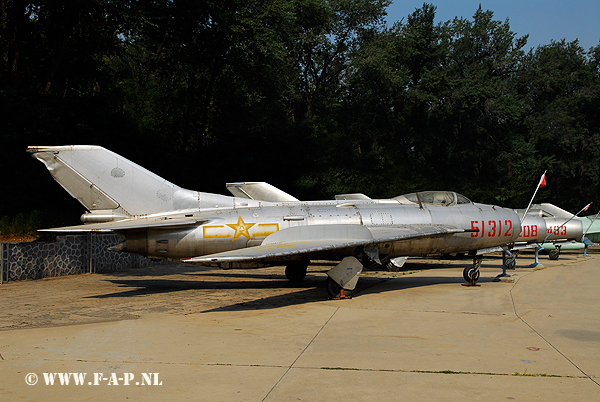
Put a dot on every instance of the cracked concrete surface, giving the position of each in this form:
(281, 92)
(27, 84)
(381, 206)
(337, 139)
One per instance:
(250, 336)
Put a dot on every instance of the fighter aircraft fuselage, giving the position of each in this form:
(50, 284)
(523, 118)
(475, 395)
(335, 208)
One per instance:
(544, 229)
(235, 228)
(262, 225)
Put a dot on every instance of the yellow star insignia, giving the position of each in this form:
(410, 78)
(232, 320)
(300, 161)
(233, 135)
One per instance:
(241, 228)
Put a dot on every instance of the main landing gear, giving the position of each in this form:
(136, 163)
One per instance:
(342, 278)
(296, 271)
(471, 273)
(509, 260)
(335, 291)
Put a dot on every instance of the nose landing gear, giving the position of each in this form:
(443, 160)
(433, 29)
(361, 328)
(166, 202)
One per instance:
(554, 254)
(471, 273)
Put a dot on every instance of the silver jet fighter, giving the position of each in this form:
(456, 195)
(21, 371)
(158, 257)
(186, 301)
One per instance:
(551, 227)
(262, 225)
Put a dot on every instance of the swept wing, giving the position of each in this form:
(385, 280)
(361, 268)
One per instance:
(127, 224)
(315, 239)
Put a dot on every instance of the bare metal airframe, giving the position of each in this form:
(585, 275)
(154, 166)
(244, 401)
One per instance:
(554, 229)
(262, 225)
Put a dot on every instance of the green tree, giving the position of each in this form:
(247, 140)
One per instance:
(431, 105)
(315, 96)
(561, 87)
(475, 111)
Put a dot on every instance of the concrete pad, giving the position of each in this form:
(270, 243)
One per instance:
(432, 342)
(418, 336)
(332, 385)
(563, 307)
(176, 382)
(250, 338)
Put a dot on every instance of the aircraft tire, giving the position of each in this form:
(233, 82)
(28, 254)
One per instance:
(333, 289)
(296, 271)
(467, 274)
(554, 254)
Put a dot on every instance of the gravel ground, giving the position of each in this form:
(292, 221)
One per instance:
(178, 289)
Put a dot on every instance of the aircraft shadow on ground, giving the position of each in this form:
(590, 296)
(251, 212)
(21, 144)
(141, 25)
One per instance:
(309, 291)
(366, 286)
(161, 270)
(182, 268)
(156, 286)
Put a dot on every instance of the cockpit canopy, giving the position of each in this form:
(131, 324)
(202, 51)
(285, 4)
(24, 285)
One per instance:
(445, 198)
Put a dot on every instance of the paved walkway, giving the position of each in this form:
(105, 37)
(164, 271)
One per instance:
(418, 337)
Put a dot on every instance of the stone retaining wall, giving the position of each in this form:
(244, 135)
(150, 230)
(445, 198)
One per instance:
(68, 255)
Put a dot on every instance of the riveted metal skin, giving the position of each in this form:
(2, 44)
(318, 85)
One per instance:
(262, 225)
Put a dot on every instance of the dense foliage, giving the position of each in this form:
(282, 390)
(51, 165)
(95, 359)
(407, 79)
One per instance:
(316, 97)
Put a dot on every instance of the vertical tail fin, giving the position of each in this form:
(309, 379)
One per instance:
(104, 181)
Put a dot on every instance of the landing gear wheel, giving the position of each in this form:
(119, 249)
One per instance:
(296, 271)
(471, 273)
(554, 254)
(510, 262)
(335, 291)
(468, 273)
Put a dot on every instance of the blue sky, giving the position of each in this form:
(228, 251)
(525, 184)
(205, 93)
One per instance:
(543, 20)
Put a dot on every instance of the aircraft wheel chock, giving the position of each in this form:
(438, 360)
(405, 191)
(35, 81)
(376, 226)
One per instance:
(335, 291)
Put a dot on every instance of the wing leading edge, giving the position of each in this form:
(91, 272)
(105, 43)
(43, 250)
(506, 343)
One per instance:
(127, 224)
(307, 240)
